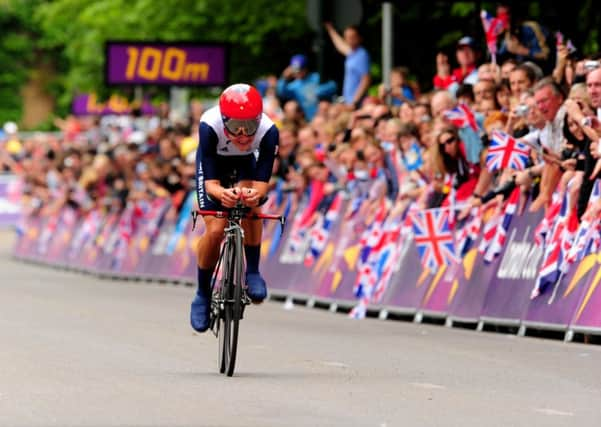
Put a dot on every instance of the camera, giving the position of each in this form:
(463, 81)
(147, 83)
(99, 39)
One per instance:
(567, 154)
(580, 158)
(521, 110)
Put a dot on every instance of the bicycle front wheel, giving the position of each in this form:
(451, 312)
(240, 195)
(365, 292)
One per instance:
(233, 304)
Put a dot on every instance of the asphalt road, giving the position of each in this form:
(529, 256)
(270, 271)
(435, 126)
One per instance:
(78, 351)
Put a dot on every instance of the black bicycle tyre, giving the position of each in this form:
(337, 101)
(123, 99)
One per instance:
(223, 327)
(237, 270)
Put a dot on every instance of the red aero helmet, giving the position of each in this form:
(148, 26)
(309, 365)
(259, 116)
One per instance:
(241, 107)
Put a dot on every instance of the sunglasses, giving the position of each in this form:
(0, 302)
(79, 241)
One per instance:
(448, 141)
(237, 127)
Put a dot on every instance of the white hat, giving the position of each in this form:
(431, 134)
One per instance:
(10, 128)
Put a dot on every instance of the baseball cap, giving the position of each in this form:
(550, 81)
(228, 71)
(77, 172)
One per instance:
(466, 41)
(298, 61)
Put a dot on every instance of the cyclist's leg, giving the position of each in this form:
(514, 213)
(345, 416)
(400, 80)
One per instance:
(253, 230)
(207, 256)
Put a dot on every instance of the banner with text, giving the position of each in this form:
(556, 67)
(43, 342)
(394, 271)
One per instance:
(171, 64)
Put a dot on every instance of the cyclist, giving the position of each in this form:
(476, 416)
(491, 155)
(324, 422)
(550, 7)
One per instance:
(235, 138)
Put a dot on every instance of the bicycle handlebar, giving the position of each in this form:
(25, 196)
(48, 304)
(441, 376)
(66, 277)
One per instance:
(227, 215)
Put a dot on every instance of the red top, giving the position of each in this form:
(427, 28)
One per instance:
(443, 82)
(459, 75)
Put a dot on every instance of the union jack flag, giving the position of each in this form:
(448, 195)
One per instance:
(434, 238)
(320, 233)
(490, 230)
(587, 231)
(461, 117)
(506, 152)
(498, 242)
(88, 230)
(370, 243)
(468, 234)
(542, 233)
(550, 271)
(493, 27)
(375, 273)
(299, 232)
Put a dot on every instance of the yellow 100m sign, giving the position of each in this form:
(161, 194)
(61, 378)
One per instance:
(134, 63)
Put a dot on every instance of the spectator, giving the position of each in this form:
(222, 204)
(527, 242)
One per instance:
(443, 78)
(452, 153)
(490, 72)
(356, 65)
(549, 98)
(465, 94)
(503, 95)
(483, 90)
(525, 40)
(411, 152)
(293, 114)
(507, 67)
(466, 58)
(399, 90)
(521, 79)
(297, 83)
(286, 151)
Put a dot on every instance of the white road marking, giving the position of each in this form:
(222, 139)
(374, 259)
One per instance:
(428, 386)
(334, 364)
(548, 411)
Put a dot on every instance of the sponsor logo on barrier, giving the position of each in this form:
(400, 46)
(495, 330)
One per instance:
(521, 260)
(7, 207)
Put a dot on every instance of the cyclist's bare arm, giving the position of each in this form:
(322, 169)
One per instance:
(228, 197)
(253, 192)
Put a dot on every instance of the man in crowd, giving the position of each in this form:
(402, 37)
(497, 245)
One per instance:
(298, 83)
(356, 65)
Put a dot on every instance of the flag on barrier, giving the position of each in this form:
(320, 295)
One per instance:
(588, 229)
(88, 231)
(490, 230)
(320, 232)
(498, 242)
(468, 234)
(434, 238)
(550, 270)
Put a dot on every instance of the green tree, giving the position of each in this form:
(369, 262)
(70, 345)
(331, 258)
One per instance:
(17, 54)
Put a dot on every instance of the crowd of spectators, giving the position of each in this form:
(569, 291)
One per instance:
(397, 144)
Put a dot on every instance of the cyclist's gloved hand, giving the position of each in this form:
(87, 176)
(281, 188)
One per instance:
(250, 197)
(229, 197)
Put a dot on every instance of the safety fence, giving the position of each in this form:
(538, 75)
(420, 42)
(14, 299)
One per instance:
(9, 201)
(320, 259)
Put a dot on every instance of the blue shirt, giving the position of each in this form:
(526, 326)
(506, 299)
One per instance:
(307, 92)
(412, 158)
(407, 93)
(356, 66)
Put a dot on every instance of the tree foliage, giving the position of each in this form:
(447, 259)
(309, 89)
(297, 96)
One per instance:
(78, 29)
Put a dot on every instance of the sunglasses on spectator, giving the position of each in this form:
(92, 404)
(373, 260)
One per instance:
(241, 127)
(448, 141)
